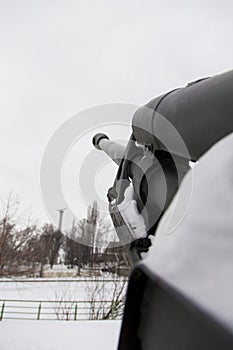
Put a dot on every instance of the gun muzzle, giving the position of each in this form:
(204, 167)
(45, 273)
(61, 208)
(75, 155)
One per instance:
(113, 149)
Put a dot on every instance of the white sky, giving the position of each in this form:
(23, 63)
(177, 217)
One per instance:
(61, 57)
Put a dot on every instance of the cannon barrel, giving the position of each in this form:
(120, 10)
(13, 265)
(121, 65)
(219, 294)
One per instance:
(113, 149)
(201, 112)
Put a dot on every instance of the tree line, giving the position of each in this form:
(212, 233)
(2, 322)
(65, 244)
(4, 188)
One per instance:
(26, 248)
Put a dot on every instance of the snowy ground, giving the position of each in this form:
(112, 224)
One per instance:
(44, 289)
(53, 289)
(59, 298)
(59, 335)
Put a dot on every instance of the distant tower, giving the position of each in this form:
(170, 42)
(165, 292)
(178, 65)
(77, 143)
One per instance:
(61, 212)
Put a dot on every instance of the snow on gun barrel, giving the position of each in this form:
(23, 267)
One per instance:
(129, 211)
(128, 206)
(144, 186)
(179, 296)
(177, 127)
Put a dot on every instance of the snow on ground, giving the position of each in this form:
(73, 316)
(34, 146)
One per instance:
(59, 298)
(45, 289)
(59, 335)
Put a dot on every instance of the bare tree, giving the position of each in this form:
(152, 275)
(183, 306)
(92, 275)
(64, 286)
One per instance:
(88, 240)
(90, 229)
(36, 249)
(15, 231)
(65, 302)
(76, 253)
(81, 250)
(98, 231)
(51, 240)
(106, 296)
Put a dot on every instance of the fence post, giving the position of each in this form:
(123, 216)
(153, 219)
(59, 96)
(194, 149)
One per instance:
(75, 312)
(39, 311)
(112, 311)
(2, 311)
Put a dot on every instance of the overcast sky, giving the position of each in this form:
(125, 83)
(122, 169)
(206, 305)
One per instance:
(61, 57)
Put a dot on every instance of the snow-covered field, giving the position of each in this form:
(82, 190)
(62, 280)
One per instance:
(69, 299)
(55, 335)
(44, 289)
(54, 289)
(37, 335)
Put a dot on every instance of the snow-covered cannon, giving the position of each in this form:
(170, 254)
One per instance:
(168, 132)
(180, 294)
(113, 149)
(143, 188)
